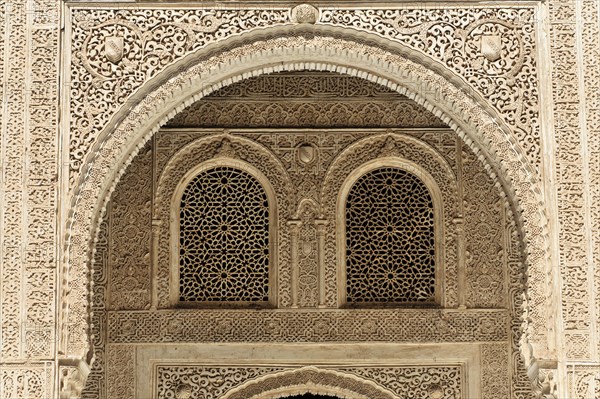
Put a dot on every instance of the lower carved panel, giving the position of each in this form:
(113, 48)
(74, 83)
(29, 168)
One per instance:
(203, 382)
(120, 375)
(584, 381)
(206, 382)
(351, 325)
(31, 381)
(494, 367)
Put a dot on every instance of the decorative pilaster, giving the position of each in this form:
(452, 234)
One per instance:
(294, 226)
(321, 232)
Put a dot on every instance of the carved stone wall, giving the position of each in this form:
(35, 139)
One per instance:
(41, 156)
(575, 47)
(29, 153)
(507, 152)
(439, 150)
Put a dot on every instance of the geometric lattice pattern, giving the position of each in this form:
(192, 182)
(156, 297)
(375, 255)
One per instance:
(390, 255)
(224, 238)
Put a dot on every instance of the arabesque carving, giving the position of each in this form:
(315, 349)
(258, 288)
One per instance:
(148, 41)
(362, 383)
(308, 155)
(46, 251)
(118, 136)
(130, 215)
(306, 325)
(491, 48)
(305, 99)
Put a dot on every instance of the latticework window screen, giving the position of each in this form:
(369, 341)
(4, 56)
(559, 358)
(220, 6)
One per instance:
(224, 238)
(390, 246)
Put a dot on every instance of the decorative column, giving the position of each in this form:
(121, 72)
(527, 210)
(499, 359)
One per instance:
(321, 225)
(294, 235)
(156, 223)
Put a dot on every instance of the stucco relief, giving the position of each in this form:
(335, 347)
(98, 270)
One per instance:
(29, 34)
(309, 99)
(116, 50)
(530, 215)
(574, 33)
(443, 151)
(491, 48)
(268, 382)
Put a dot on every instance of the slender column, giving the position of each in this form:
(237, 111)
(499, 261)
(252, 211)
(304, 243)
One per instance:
(462, 272)
(320, 224)
(294, 235)
(156, 223)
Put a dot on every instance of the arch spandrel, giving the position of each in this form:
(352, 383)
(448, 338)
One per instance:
(378, 60)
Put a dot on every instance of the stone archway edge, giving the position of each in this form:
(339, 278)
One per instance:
(266, 52)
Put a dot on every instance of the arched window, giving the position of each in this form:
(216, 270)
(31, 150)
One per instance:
(224, 239)
(389, 252)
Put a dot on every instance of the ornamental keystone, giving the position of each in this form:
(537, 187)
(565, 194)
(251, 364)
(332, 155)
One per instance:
(305, 14)
(491, 47)
(113, 48)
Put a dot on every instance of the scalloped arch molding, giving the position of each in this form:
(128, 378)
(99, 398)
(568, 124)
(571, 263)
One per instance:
(303, 47)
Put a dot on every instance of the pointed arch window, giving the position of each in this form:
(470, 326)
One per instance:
(389, 249)
(224, 239)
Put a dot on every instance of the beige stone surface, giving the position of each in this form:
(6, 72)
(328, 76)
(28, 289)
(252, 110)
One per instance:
(107, 106)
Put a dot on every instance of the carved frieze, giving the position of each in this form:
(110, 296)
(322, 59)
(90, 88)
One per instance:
(305, 99)
(307, 326)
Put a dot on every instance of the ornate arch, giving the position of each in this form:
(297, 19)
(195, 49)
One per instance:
(302, 47)
(309, 379)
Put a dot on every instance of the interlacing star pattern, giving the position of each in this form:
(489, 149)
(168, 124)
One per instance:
(224, 238)
(390, 254)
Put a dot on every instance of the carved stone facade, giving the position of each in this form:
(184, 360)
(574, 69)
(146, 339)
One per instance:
(497, 104)
(308, 170)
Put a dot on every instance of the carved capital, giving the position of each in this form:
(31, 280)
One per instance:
(321, 225)
(294, 226)
(72, 376)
